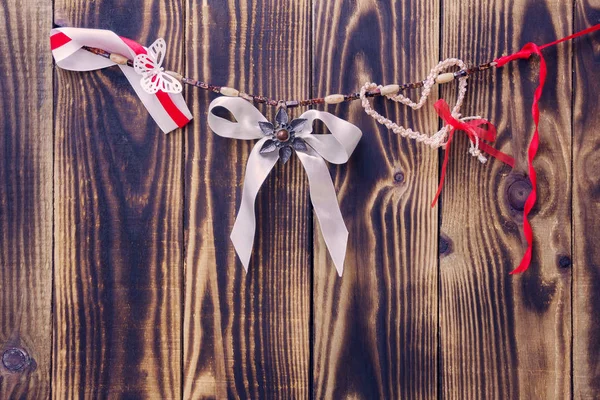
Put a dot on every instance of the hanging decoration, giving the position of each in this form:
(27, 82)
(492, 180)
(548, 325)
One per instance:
(160, 91)
(277, 141)
(72, 50)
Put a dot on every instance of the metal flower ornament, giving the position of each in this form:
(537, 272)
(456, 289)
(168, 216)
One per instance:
(278, 141)
(283, 135)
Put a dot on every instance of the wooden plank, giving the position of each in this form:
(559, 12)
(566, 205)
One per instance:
(245, 336)
(25, 200)
(118, 210)
(508, 336)
(586, 205)
(375, 329)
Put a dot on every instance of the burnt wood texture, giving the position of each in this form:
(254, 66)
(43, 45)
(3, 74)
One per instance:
(505, 336)
(586, 205)
(246, 335)
(375, 329)
(118, 201)
(26, 156)
(117, 275)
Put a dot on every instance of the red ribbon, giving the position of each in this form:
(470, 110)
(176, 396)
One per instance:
(473, 130)
(164, 98)
(527, 51)
(58, 39)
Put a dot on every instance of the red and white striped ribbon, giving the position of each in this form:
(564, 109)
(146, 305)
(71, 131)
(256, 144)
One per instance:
(168, 110)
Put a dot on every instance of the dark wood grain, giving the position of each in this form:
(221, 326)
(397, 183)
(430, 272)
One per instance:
(246, 336)
(118, 208)
(586, 206)
(375, 329)
(508, 336)
(117, 275)
(25, 200)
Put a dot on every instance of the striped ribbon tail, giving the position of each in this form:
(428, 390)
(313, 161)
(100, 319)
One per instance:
(168, 110)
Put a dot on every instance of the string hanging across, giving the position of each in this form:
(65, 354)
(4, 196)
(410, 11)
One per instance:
(160, 91)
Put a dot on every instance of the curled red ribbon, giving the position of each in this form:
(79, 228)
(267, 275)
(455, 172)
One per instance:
(525, 53)
(473, 130)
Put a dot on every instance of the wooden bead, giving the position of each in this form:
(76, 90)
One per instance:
(390, 89)
(230, 92)
(246, 96)
(444, 78)
(118, 59)
(175, 75)
(334, 98)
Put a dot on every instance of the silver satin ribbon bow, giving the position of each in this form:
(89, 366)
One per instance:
(335, 148)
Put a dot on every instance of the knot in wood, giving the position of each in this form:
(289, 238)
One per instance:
(15, 359)
(517, 193)
(399, 177)
(564, 261)
(445, 245)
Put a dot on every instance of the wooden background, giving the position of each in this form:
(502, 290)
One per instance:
(117, 276)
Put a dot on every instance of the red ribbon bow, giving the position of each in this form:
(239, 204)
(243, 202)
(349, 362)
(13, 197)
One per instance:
(474, 131)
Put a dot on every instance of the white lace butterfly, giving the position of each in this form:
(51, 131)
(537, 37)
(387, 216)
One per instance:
(154, 77)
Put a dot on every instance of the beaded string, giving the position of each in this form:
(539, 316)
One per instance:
(451, 117)
(369, 90)
(437, 139)
(389, 91)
